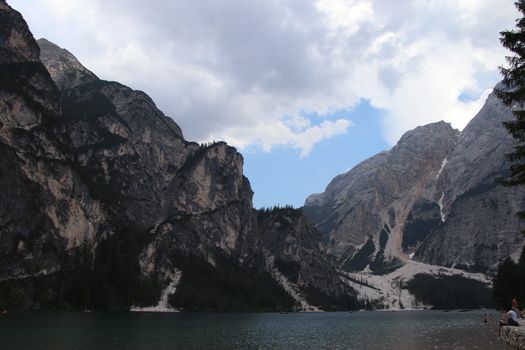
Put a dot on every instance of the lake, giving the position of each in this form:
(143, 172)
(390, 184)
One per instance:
(408, 330)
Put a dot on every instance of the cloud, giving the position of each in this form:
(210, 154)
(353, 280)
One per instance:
(302, 136)
(249, 71)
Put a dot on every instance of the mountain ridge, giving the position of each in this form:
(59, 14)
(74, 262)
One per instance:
(370, 199)
(108, 206)
(431, 219)
(111, 208)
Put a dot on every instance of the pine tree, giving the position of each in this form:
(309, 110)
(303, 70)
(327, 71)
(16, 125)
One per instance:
(505, 283)
(513, 95)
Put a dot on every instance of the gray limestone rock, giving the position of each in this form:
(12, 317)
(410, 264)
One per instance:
(67, 72)
(45, 208)
(102, 190)
(372, 201)
(299, 252)
(479, 226)
(436, 195)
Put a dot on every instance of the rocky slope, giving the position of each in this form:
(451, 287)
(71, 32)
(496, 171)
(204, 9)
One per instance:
(45, 207)
(478, 226)
(297, 256)
(108, 206)
(363, 212)
(434, 197)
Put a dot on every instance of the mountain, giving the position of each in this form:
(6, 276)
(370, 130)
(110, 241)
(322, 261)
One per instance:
(363, 212)
(435, 198)
(478, 227)
(107, 206)
(426, 223)
(298, 256)
(41, 192)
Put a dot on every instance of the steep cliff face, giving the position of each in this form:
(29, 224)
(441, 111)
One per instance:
(297, 256)
(184, 199)
(478, 226)
(65, 70)
(44, 208)
(125, 149)
(435, 197)
(106, 205)
(363, 212)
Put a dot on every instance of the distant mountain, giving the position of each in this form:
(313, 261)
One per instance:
(434, 197)
(106, 205)
(363, 212)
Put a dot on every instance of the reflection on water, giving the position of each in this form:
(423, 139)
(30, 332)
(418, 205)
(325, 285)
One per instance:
(414, 330)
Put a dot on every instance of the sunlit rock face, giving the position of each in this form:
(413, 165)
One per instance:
(65, 70)
(479, 226)
(366, 209)
(435, 197)
(45, 207)
(135, 161)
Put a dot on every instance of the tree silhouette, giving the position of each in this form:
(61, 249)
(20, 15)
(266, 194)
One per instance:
(512, 93)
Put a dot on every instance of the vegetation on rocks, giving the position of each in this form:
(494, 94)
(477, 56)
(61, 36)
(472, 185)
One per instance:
(450, 292)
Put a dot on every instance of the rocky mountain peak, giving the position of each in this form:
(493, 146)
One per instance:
(22, 75)
(103, 193)
(426, 136)
(468, 183)
(365, 208)
(434, 197)
(67, 72)
(427, 144)
(481, 146)
(16, 42)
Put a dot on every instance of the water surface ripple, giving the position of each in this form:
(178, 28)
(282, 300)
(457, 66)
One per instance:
(414, 330)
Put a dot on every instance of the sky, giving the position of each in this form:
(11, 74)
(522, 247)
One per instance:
(305, 89)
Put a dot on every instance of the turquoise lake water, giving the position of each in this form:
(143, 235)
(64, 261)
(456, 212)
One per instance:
(409, 330)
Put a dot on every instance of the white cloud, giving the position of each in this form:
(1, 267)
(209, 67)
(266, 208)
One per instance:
(270, 135)
(248, 71)
(345, 15)
(431, 90)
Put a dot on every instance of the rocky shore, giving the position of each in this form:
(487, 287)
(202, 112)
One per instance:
(514, 336)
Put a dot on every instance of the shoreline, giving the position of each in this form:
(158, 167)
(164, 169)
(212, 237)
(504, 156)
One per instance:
(514, 336)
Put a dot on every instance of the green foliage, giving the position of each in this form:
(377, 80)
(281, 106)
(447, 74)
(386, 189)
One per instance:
(514, 96)
(226, 287)
(287, 217)
(198, 155)
(117, 276)
(291, 269)
(287, 210)
(510, 282)
(381, 266)
(332, 303)
(209, 144)
(109, 279)
(450, 292)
